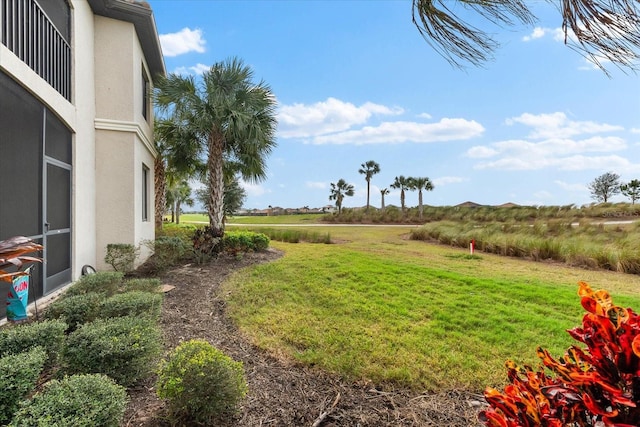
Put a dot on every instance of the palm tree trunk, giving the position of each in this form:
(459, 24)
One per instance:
(215, 163)
(420, 204)
(178, 212)
(382, 207)
(160, 187)
(368, 187)
(402, 199)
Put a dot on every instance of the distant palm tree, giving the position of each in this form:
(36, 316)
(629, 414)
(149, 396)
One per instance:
(421, 184)
(403, 184)
(231, 119)
(383, 192)
(178, 193)
(369, 169)
(338, 192)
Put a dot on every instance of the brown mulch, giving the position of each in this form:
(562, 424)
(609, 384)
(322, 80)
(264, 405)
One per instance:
(281, 392)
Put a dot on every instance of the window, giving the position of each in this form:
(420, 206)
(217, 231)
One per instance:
(145, 193)
(145, 95)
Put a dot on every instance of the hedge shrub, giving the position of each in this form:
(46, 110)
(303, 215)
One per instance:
(48, 334)
(200, 382)
(105, 282)
(125, 348)
(76, 309)
(121, 256)
(167, 251)
(75, 401)
(142, 285)
(19, 374)
(134, 303)
(235, 242)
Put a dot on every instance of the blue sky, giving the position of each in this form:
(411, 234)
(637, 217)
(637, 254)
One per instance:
(355, 81)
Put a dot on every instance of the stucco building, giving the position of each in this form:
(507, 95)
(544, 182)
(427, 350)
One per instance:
(76, 129)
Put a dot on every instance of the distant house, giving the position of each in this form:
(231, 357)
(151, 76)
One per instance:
(76, 130)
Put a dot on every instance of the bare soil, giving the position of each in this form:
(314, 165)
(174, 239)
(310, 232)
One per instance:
(281, 391)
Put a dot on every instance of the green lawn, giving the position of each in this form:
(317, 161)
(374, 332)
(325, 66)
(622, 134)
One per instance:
(378, 306)
(276, 219)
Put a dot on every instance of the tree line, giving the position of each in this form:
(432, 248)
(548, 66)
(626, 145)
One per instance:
(342, 189)
(608, 185)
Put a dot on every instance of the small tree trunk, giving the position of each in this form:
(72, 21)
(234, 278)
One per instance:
(420, 204)
(160, 186)
(215, 164)
(178, 212)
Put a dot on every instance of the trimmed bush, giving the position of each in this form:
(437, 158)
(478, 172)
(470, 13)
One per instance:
(105, 282)
(19, 374)
(47, 334)
(142, 285)
(124, 348)
(200, 383)
(75, 401)
(167, 251)
(134, 303)
(121, 256)
(235, 242)
(76, 309)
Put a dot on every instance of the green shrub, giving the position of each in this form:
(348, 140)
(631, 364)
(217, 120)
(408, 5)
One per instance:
(121, 256)
(48, 334)
(76, 309)
(200, 382)
(134, 303)
(75, 401)
(125, 348)
(142, 285)
(19, 374)
(167, 252)
(105, 282)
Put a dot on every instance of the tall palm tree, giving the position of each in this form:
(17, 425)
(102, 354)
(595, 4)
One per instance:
(338, 192)
(231, 119)
(402, 183)
(421, 184)
(383, 192)
(369, 169)
(604, 30)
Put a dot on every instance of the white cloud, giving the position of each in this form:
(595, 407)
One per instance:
(332, 115)
(425, 116)
(570, 187)
(635, 130)
(570, 163)
(401, 131)
(254, 189)
(538, 32)
(445, 180)
(557, 125)
(196, 69)
(316, 185)
(481, 152)
(184, 41)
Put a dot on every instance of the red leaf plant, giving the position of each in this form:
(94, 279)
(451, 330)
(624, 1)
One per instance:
(594, 386)
(14, 254)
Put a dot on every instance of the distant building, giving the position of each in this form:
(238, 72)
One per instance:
(76, 130)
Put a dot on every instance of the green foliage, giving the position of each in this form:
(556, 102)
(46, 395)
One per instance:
(200, 382)
(121, 256)
(295, 235)
(76, 309)
(594, 384)
(142, 285)
(235, 242)
(167, 252)
(123, 348)
(21, 338)
(19, 374)
(133, 303)
(207, 243)
(104, 282)
(75, 401)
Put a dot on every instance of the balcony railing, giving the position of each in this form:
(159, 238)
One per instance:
(30, 35)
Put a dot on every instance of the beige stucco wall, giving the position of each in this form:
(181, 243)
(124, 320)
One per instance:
(123, 140)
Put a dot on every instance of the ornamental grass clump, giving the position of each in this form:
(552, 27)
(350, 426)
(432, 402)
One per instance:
(596, 385)
(200, 383)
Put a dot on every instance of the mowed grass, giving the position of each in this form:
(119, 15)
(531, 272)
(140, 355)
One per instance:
(275, 219)
(405, 313)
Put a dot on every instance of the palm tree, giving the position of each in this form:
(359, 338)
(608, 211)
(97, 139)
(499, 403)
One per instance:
(604, 30)
(338, 192)
(421, 184)
(369, 169)
(229, 118)
(383, 192)
(178, 193)
(403, 184)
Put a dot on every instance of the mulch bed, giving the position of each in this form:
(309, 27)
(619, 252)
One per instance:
(282, 392)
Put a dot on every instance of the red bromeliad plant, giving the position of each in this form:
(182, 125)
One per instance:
(595, 386)
(14, 253)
